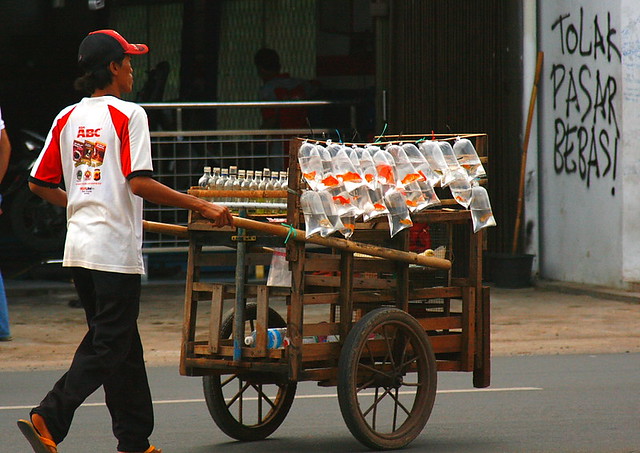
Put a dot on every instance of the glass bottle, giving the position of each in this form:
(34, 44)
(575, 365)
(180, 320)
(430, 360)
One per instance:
(231, 181)
(203, 182)
(214, 177)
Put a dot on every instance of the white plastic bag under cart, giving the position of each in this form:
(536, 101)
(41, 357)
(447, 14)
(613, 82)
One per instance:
(279, 272)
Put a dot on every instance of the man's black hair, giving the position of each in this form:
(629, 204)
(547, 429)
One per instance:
(96, 79)
(267, 59)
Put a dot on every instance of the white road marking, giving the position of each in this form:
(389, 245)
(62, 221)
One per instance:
(323, 395)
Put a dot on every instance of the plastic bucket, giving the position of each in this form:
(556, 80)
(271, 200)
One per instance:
(511, 271)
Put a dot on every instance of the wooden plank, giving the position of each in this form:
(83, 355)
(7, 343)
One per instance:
(374, 296)
(320, 351)
(320, 374)
(460, 281)
(441, 323)
(262, 319)
(207, 366)
(468, 327)
(190, 307)
(203, 286)
(385, 295)
(448, 365)
(401, 241)
(447, 215)
(376, 265)
(446, 343)
(482, 364)
(346, 290)
(443, 292)
(320, 298)
(215, 318)
(229, 259)
(321, 262)
(331, 263)
(334, 282)
(230, 291)
(320, 328)
(247, 352)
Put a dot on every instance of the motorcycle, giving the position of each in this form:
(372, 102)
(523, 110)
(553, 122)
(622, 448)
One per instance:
(36, 223)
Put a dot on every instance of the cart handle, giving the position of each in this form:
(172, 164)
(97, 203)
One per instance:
(299, 235)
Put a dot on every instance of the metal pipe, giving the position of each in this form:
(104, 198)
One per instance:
(238, 320)
(220, 133)
(244, 104)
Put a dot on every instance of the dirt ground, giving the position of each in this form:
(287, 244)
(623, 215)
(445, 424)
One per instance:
(46, 329)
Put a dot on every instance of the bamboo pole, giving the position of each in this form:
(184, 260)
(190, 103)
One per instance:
(523, 163)
(299, 235)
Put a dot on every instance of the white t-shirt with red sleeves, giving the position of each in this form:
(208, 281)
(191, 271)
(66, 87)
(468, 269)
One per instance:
(94, 147)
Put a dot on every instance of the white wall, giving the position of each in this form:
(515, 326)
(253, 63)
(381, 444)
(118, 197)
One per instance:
(630, 171)
(529, 55)
(585, 148)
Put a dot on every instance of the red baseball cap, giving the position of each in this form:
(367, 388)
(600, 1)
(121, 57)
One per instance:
(104, 46)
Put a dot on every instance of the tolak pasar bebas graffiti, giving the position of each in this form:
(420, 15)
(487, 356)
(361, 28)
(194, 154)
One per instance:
(585, 96)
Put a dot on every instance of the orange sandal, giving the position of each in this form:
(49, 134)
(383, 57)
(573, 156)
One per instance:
(151, 449)
(38, 435)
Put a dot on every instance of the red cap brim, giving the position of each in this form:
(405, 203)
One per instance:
(136, 49)
(131, 49)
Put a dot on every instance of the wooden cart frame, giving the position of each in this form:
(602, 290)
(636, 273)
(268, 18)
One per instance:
(390, 323)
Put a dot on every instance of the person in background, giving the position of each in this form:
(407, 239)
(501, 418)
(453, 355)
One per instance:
(278, 86)
(5, 153)
(100, 149)
(281, 87)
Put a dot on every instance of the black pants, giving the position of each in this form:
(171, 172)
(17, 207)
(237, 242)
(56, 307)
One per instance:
(110, 355)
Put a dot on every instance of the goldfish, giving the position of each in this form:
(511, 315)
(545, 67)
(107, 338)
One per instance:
(460, 199)
(330, 181)
(369, 177)
(351, 177)
(406, 222)
(325, 223)
(422, 175)
(411, 203)
(379, 207)
(342, 200)
(309, 176)
(411, 177)
(350, 226)
(386, 172)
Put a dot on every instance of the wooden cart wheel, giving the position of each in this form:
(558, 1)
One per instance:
(387, 379)
(252, 405)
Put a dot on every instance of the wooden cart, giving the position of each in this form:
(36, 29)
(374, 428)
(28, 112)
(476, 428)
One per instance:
(391, 325)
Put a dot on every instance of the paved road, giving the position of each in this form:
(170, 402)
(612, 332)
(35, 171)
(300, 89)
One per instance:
(562, 403)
